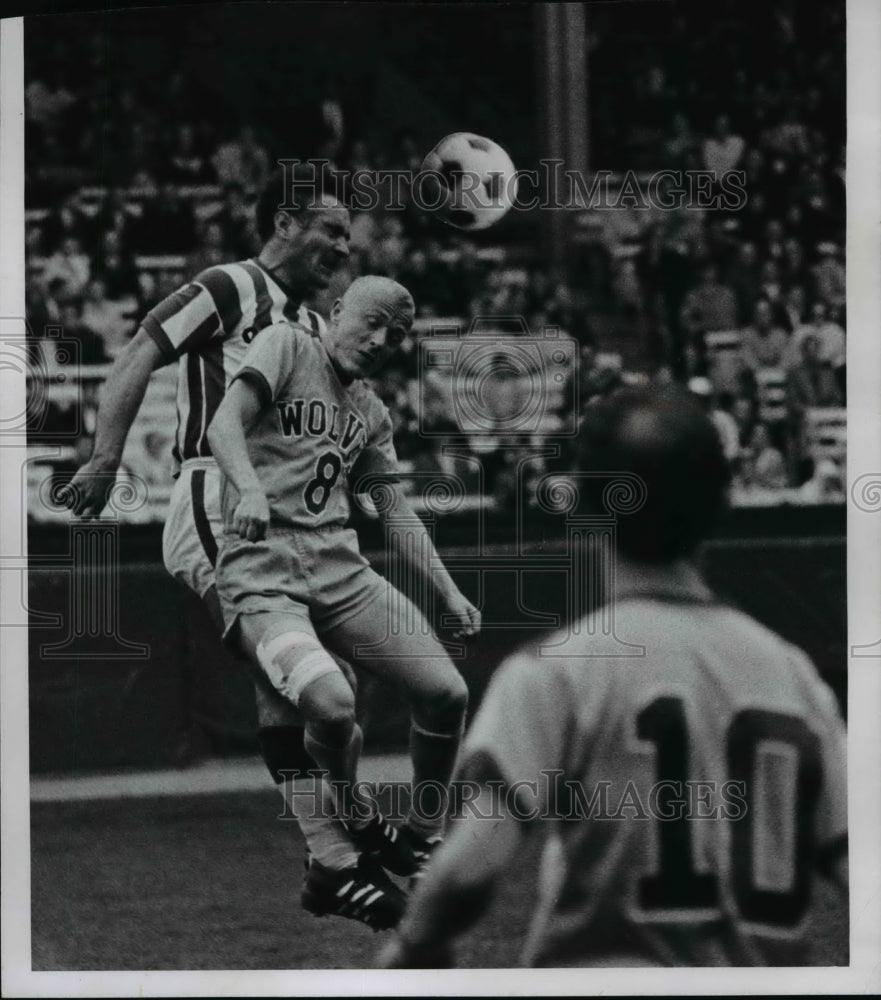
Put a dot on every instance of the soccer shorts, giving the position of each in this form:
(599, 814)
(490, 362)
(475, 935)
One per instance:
(317, 577)
(193, 526)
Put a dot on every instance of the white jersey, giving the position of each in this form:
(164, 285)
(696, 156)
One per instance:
(700, 785)
(209, 324)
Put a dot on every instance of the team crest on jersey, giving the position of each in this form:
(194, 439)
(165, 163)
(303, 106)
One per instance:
(316, 418)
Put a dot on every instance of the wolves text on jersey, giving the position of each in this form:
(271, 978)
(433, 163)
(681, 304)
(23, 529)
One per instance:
(298, 417)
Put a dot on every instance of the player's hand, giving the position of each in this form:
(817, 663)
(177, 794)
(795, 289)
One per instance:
(462, 616)
(397, 954)
(251, 518)
(87, 493)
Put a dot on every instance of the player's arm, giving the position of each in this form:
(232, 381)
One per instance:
(422, 559)
(227, 436)
(517, 737)
(458, 885)
(123, 394)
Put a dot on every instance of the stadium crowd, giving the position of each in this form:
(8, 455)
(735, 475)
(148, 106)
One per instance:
(132, 191)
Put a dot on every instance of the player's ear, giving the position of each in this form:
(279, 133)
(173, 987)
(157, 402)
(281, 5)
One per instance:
(286, 224)
(336, 309)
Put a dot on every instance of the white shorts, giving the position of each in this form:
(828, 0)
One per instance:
(193, 526)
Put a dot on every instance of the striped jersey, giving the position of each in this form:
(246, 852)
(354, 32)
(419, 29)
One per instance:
(693, 792)
(314, 436)
(209, 324)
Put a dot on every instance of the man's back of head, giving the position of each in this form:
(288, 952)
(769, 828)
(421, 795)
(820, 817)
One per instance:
(664, 437)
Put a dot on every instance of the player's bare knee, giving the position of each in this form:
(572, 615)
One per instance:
(328, 704)
(443, 707)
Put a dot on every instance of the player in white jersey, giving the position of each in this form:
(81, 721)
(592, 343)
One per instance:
(690, 795)
(207, 326)
(296, 430)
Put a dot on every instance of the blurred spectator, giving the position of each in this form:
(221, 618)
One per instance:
(46, 99)
(116, 215)
(68, 220)
(112, 320)
(789, 136)
(211, 249)
(242, 160)
(756, 170)
(753, 218)
(726, 425)
(810, 383)
(237, 219)
(826, 484)
(819, 223)
(167, 224)
(829, 276)
(466, 281)
(427, 282)
(70, 266)
(114, 265)
(449, 455)
(186, 164)
(388, 253)
(679, 144)
(763, 345)
(793, 264)
(773, 245)
(770, 282)
(743, 279)
(831, 341)
(710, 305)
(793, 308)
(92, 350)
(769, 466)
(723, 150)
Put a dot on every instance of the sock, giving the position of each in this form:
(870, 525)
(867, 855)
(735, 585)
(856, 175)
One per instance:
(341, 764)
(284, 752)
(315, 810)
(434, 760)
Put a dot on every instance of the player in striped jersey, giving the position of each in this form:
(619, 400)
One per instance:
(689, 795)
(206, 327)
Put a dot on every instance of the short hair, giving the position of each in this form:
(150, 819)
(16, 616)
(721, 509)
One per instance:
(663, 436)
(295, 188)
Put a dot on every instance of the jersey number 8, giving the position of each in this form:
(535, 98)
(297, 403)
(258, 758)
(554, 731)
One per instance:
(317, 492)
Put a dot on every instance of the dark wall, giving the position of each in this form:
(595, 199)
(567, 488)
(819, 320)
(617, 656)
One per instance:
(187, 697)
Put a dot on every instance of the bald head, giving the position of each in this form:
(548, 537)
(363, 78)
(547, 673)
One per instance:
(374, 290)
(665, 438)
(368, 324)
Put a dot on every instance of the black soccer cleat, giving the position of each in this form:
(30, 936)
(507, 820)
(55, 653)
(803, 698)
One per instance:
(362, 892)
(422, 848)
(386, 844)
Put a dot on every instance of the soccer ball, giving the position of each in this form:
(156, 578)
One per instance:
(470, 181)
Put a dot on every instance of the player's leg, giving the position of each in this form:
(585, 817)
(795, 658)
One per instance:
(436, 691)
(190, 544)
(305, 675)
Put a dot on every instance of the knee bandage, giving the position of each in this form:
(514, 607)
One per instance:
(293, 660)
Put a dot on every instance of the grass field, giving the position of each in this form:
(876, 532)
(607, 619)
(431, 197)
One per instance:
(212, 882)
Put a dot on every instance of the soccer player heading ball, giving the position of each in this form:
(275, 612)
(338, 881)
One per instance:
(206, 327)
(688, 796)
(296, 429)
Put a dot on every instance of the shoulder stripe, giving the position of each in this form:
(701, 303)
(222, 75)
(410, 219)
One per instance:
(225, 295)
(263, 315)
(199, 336)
